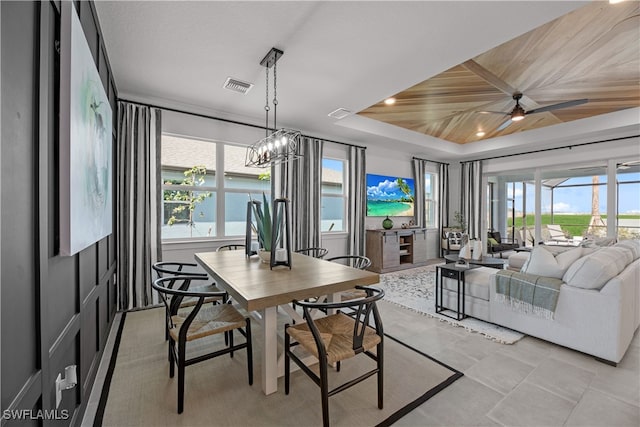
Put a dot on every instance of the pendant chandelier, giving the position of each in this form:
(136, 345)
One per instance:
(281, 145)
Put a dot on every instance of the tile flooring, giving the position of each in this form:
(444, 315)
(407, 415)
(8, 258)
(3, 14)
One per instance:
(529, 383)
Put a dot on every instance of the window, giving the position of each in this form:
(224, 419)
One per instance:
(199, 203)
(239, 182)
(430, 200)
(628, 184)
(578, 205)
(188, 188)
(333, 195)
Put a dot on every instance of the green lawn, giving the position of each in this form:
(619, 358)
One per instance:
(575, 225)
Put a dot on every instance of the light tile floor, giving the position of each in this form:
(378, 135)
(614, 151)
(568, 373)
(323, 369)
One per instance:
(529, 383)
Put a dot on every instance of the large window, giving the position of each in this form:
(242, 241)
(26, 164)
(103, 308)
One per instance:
(333, 195)
(199, 203)
(574, 203)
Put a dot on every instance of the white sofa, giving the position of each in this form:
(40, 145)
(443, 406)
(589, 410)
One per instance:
(598, 308)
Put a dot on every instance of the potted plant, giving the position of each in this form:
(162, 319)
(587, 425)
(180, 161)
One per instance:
(264, 228)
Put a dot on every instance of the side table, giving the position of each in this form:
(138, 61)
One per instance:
(456, 272)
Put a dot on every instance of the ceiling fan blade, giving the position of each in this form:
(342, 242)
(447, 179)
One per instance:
(493, 112)
(559, 106)
(504, 125)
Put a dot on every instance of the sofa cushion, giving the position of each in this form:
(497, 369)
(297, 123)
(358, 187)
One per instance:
(632, 245)
(544, 262)
(476, 282)
(594, 270)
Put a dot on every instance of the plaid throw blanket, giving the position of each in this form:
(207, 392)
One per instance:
(528, 293)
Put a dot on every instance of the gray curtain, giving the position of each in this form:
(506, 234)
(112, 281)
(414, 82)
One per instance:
(418, 201)
(357, 194)
(138, 203)
(306, 194)
(471, 197)
(443, 195)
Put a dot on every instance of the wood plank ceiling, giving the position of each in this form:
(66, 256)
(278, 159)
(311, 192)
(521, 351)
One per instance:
(592, 52)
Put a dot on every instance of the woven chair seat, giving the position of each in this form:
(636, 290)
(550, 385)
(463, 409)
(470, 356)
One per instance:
(352, 294)
(191, 301)
(336, 332)
(209, 321)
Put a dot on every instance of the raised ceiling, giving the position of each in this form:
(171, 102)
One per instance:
(592, 52)
(347, 54)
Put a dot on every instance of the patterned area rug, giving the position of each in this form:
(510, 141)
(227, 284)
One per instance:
(414, 289)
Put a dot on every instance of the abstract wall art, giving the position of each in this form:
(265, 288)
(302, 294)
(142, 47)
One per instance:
(86, 170)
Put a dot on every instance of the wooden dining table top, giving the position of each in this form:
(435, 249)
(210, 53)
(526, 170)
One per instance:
(255, 286)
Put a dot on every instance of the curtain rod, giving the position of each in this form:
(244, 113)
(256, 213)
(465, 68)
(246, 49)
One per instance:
(553, 148)
(235, 122)
(432, 161)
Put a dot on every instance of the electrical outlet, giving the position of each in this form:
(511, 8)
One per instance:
(58, 390)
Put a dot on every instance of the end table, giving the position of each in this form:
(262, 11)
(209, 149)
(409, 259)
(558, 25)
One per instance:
(456, 272)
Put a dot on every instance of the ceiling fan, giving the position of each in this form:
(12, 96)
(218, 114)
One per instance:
(518, 113)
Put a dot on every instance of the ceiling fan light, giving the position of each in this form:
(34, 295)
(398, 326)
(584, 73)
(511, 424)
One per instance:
(517, 114)
(480, 134)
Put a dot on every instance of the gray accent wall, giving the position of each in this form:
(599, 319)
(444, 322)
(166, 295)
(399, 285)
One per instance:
(56, 311)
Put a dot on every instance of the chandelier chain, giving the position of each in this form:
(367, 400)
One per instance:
(266, 102)
(275, 95)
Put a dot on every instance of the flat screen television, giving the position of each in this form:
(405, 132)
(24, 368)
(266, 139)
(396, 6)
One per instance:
(389, 196)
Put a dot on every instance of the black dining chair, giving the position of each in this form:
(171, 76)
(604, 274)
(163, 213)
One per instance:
(335, 338)
(356, 261)
(199, 322)
(231, 247)
(313, 252)
(172, 269)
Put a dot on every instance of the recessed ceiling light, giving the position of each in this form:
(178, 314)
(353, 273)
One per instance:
(480, 134)
(390, 101)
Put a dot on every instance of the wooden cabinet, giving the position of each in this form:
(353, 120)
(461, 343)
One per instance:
(396, 249)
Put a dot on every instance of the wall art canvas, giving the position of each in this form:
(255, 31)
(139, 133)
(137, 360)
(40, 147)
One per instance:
(389, 196)
(86, 194)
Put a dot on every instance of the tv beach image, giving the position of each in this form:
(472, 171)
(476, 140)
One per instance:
(389, 196)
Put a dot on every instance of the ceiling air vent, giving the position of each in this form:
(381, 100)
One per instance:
(237, 85)
(340, 113)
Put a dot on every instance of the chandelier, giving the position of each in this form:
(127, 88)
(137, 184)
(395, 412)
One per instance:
(281, 145)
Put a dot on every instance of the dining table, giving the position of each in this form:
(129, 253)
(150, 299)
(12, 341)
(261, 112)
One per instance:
(261, 290)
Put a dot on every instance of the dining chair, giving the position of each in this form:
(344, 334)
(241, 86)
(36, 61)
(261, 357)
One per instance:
(314, 252)
(356, 261)
(172, 269)
(231, 247)
(335, 338)
(199, 323)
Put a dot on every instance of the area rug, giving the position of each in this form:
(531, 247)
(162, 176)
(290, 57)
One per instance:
(139, 392)
(414, 289)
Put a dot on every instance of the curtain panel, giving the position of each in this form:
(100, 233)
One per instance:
(443, 195)
(306, 194)
(300, 181)
(471, 197)
(419, 167)
(138, 187)
(357, 194)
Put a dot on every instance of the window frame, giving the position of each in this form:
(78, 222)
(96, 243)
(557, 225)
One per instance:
(344, 196)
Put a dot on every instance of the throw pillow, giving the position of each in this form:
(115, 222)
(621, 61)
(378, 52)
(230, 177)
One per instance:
(493, 241)
(543, 262)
